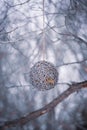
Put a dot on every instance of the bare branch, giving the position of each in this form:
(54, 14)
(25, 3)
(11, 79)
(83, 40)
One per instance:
(77, 62)
(25, 119)
(17, 4)
(80, 39)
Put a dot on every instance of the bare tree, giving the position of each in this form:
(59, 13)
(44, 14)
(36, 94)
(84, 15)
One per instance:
(21, 45)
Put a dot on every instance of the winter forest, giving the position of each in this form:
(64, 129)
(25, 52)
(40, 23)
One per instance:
(30, 30)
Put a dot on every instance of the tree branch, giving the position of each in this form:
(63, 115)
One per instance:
(72, 63)
(23, 120)
(17, 4)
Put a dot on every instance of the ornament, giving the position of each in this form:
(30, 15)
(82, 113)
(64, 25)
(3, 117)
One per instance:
(43, 75)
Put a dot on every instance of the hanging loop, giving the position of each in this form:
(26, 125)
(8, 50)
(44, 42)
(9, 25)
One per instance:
(44, 46)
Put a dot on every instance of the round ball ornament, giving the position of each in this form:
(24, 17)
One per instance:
(43, 75)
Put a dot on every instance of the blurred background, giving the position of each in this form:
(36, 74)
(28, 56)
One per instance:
(21, 43)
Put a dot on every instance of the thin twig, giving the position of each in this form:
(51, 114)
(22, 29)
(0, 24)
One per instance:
(77, 62)
(17, 4)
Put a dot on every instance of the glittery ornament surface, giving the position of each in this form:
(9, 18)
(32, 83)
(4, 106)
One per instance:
(43, 75)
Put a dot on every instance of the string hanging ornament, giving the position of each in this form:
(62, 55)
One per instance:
(43, 75)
